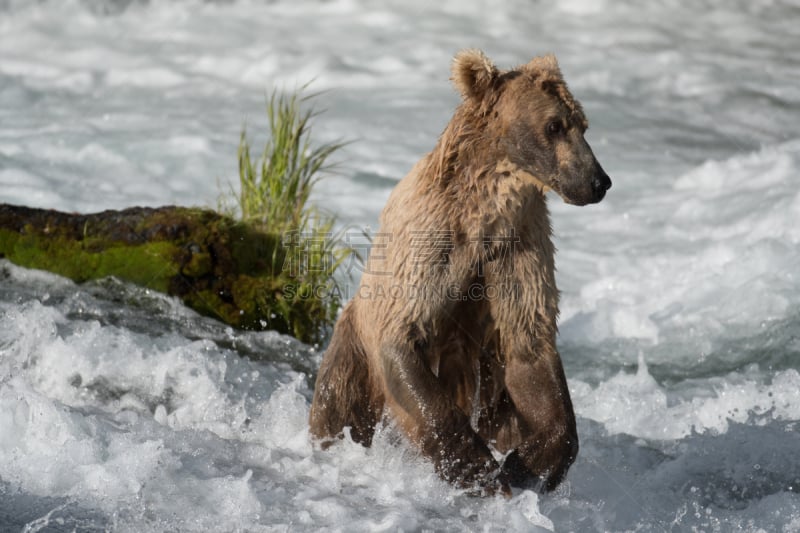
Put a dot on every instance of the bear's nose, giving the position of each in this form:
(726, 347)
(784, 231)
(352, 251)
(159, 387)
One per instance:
(601, 181)
(600, 184)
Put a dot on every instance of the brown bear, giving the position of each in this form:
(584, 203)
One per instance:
(452, 333)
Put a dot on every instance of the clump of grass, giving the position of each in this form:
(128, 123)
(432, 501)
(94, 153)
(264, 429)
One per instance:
(276, 189)
(274, 198)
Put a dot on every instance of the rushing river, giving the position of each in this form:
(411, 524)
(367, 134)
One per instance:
(680, 315)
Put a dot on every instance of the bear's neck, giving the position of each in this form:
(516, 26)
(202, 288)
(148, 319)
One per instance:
(463, 150)
(467, 168)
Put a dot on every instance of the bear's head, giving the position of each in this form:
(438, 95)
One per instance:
(537, 124)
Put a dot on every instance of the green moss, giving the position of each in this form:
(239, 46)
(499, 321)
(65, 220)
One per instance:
(151, 264)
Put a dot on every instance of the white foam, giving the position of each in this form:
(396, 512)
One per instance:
(635, 404)
(24, 188)
(723, 256)
(150, 77)
(582, 7)
(134, 425)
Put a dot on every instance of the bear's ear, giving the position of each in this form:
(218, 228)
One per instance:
(473, 74)
(545, 67)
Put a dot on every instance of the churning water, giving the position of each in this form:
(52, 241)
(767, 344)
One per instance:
(680, 316)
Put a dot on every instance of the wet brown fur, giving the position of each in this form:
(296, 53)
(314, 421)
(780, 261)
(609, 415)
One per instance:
(459, 375)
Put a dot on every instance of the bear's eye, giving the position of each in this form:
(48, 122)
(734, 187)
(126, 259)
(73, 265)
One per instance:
(555, 127)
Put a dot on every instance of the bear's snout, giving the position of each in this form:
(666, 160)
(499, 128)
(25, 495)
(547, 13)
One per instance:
(600, 184)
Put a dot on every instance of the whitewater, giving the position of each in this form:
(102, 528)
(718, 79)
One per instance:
(121, 410)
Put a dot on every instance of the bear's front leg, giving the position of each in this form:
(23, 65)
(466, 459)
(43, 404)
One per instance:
(549, 439)
(434, 423)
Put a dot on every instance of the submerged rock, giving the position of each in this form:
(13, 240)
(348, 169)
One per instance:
(216, 265)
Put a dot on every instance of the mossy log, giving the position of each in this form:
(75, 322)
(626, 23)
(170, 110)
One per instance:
(218, 266)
